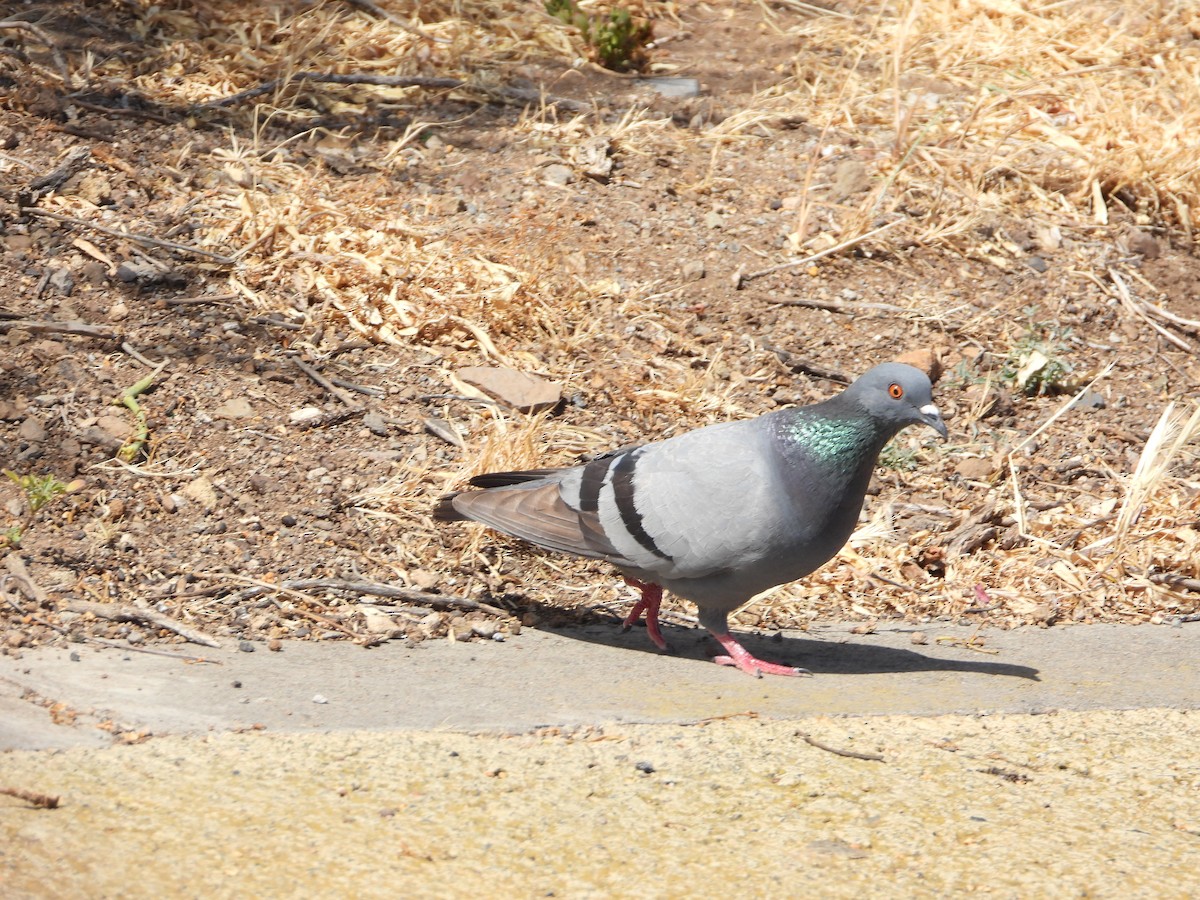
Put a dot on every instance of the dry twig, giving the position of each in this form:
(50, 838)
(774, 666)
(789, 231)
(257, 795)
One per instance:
(41, 801)
(142, 616)
(129, 235)
(849, 754)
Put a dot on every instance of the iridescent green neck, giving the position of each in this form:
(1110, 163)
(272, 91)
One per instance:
(833, 439)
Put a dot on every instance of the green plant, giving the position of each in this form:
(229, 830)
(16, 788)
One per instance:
(616, 40)
(39, 489)
(1037, 363)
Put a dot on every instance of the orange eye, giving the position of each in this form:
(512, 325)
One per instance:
(895, 391)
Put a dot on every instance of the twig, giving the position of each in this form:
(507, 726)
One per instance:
(1175, 581)
(741, 278)
(80, 328)
(142, 616)
(41, 801)
(24, 581)
(799, 366)
(367, 389)
(838, 305)
(326, 383)
(331, 78)
(152, 651)
(76, 158)
(128, 235)
(376, 589)
(55, 52)
(131, 351)
(849, 754)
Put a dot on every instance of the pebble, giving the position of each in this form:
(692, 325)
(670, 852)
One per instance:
(245, 646)
(32, 430)
(692, 270)
(305, 414)
(234, 408)
(520, 390)
(558, 175)
(320, 698)
(375, 424)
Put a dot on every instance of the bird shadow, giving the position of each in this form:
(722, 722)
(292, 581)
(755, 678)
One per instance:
(829, 657)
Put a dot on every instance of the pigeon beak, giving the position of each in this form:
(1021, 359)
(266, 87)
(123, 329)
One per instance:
(931, 417)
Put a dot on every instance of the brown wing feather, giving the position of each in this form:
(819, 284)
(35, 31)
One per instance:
(537, 515)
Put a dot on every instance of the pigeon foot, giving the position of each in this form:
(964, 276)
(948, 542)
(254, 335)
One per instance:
(649, 604)
(741, 658)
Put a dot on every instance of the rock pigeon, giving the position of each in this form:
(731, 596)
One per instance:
(719, 514)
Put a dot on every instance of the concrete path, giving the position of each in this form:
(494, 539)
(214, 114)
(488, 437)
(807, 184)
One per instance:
(58, 697)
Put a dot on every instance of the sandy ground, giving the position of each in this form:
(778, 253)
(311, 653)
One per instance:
(327, 770)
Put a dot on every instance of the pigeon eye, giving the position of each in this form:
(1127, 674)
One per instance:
(895, 391)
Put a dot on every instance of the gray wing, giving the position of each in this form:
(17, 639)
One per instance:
(703, 502)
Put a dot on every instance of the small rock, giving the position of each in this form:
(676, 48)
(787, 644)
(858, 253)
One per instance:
(851, 177)
(94, 272)
(306, 414)
(288, 520)
(692, 270)
(713, 220)
(117, 426)
(201, 490)
(1036, 263)
(918, 637)
(260, 483)
(32, 430)
(1043, 613)
(440, 428)
(75, 657)
(925, 360)
(275, 644)
(558, 175)
(1143, 244)
(377, 621)
(519, 390)
(234, 408)
(484, 629)
(9, 410)
(644, 766)
(118, 312)
(422, 579)
(593, 157)
(375, 424)
(62, 281)
(320, 698)
(975, 468)
(1089, 399)
(245, 646)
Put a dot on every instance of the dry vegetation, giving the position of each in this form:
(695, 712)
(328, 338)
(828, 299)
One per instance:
(1013, 182)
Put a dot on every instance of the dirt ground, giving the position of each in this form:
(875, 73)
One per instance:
(304, 274)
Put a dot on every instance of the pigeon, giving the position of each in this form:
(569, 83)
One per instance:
(719, 514)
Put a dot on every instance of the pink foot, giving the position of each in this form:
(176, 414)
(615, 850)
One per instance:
(739, 656)
(649, 604)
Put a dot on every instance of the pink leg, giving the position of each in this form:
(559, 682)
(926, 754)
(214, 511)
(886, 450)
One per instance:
(649, 604)
(739, 656)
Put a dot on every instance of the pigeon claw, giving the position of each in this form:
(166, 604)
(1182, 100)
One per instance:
(741, 658)
(649, 603)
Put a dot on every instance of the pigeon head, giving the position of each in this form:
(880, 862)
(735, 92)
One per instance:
(897, 395)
